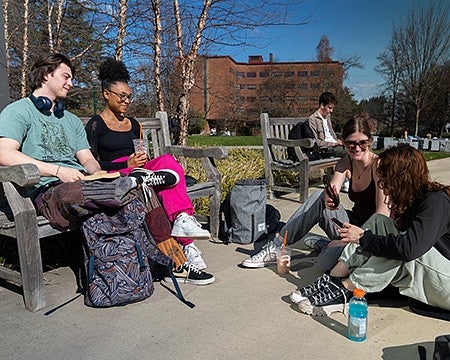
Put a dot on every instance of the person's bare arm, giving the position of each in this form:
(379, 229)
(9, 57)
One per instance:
(88, 161)
(10, 155)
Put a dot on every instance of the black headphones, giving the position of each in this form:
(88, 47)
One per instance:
(44, 104)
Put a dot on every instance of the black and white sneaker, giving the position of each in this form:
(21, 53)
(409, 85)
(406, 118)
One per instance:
(303, 293)
(191, 274)
(157, 178)
(332, 297)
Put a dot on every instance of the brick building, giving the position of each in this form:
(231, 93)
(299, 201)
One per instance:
(227, 92)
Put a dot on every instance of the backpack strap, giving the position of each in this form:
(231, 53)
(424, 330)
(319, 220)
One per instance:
(177, 288)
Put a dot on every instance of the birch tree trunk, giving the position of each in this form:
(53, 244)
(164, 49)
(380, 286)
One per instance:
(54, 36)
(5, 4)
(121, 32)
(23, 86)
(187, 62)
(157, 33)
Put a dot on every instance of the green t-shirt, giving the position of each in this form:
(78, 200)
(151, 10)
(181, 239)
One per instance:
(44, 137)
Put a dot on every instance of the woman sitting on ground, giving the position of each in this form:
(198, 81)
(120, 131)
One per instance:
(111, 135)
(360, 167)
(410, 251)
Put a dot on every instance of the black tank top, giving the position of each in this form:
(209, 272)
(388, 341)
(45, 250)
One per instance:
(364, 201)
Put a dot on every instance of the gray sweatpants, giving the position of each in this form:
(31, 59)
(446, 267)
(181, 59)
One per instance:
(426, 278)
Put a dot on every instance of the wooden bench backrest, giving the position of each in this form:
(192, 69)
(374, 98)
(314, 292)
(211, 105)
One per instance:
(277, 128)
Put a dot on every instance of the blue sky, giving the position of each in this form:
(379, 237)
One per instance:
(361, 27)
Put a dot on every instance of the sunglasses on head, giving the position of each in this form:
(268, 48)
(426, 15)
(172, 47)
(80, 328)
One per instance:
(363, 144)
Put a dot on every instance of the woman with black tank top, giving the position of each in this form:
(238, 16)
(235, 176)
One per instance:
(359, 166)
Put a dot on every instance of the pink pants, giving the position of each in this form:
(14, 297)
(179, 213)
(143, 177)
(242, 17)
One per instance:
(174, 199)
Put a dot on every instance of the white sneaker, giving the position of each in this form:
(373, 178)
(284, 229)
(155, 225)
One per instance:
(267, 256)
(194, 256)
(187, 226)
(316, 242)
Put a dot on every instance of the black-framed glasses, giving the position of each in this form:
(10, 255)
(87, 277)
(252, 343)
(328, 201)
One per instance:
(363, 144)
(123, 97)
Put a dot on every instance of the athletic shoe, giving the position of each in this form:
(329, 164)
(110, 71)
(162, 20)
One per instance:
(163, 177)
(303, 293)
(190, 274)
(316, 242)
(333, 297)
(267, 256)
(187, 226)
(194, 256)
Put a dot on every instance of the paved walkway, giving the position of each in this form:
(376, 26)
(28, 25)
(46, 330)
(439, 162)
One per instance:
(246, 314)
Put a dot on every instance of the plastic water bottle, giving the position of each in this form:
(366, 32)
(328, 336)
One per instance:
(357, 316)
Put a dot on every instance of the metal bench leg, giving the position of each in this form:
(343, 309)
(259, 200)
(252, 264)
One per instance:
(214, 214)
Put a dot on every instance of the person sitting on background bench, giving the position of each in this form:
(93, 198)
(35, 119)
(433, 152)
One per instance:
(410, 250)
(322, 127)
(111, 135)
(360, 167)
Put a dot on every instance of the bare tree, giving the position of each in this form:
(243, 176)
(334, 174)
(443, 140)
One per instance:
(121, 32)
(422, 42)
(23, 89)
(389, 67)
(324, 50)
(157, 40)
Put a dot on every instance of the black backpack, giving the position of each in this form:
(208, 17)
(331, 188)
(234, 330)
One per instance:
(302, 130)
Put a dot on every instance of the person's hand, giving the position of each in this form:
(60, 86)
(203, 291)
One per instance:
(67, 174)
(137, 159)
(350, 233)
(329, 202)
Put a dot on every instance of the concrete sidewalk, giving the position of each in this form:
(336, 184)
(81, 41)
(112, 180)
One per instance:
(245, 314)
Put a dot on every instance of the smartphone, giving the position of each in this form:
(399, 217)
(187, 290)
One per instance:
(337, 222)
(330, 191)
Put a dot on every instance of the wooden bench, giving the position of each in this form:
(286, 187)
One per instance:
(18, 216)
(274, 132)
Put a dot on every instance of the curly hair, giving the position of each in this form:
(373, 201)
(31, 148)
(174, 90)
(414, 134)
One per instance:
(404, 177)
(112, 71)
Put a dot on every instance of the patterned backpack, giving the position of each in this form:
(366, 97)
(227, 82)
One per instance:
(117, 247)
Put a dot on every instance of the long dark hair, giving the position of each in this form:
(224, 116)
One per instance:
(44, 65)
(404, 177)
(359, 123)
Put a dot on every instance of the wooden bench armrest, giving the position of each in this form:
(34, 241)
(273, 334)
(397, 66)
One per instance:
(23, 175)
(308, 143)
(215, 152)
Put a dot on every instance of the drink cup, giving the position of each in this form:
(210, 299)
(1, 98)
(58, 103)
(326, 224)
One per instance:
(284, 260)
(140, 145)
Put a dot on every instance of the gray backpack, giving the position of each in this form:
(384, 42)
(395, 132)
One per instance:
(244, 210)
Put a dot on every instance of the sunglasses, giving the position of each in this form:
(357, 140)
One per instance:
(123, 97)
(363, 144)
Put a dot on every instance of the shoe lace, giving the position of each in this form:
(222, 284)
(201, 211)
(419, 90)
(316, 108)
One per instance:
(156, 179)
(266, 250)
(315, 286)
(192, 268)
(329, 294)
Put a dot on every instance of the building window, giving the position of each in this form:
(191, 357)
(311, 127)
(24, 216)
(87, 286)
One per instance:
(264, 98)
(303, 86)
(314, 98)
(289, 74)
(251, 86)
(251, 74)
(250, 99)
(277, 74)
(240, 99)
(240, 86)
(315, 85)
(263, 74)
(302, 98)
(288, 98)
(289, 86)
(314, 73)
(240, 74)
(302, 73)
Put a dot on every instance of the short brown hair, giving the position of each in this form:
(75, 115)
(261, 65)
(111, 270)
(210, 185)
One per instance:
(44, 65)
